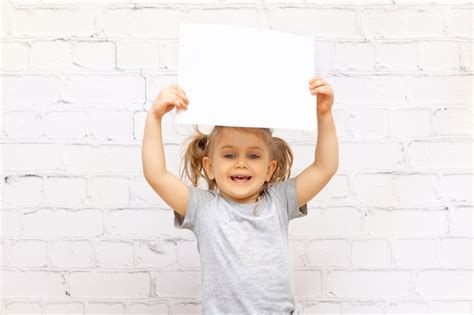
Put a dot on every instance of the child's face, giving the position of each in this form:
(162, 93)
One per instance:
(240, 163)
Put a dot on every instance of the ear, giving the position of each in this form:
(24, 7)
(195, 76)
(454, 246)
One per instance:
(207, 164)
(271, 169)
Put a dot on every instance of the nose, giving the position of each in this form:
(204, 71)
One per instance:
(240, 163)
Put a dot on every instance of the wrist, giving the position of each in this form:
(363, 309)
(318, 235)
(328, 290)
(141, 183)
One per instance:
(324, 114)
(153, 116)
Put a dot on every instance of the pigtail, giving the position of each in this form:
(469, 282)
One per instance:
(281, 152)
(195, 149)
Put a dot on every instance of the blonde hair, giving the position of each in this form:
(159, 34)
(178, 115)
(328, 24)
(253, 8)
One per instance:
(200, 145)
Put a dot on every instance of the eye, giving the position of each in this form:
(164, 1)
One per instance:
(229, 156)
(253, 156)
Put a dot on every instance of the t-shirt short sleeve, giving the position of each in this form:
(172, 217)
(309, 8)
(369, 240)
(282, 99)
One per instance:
(287, 189)
(197, 199)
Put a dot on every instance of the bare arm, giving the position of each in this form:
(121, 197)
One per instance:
(167, 185)
(326, 161)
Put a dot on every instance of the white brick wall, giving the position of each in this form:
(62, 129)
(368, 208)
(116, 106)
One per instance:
(83, 233)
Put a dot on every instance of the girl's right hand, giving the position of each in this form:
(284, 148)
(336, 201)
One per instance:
(169, 98)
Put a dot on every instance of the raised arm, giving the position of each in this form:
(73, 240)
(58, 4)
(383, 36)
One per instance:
(167, 185)
(326, 161)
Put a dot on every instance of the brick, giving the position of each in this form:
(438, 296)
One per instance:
(155, 254)
(383, 284)
(186, 308)
(434, 155)
(177, 283)
(371, 253)
(375, 189)
(19, 157)
(439, 89)
(52, 23)
(109, 191)
(63, 223)
(446, 307)
(28, 253)
(369, 90)
(362, 308)
(373, 156)
(408, 308)
(94, 55)
(169, 55)
(414, 252)
(297, 255)
(453, 121)
(338, 23)
(23, 190)
(23, 308)
(65, 191)
(402, 23)
(457, 187)
(444, 283)
(51, 55)
(15, 55)
(127, 285)
(65, 125)
(138, 54)
(466, 56)
(459, 22)
(114, 254)
(71, 254)
(73, 308)
(338, 187)
(23, 125)
(401, 57)
(105, 159)
(406, 223)
(354, 56)
(10, 220)
(455, 252)
(410, 123)
(329, 253)
(188, 254)
(435, 56)
(143, 309)
(139, 222)
(306, 283)
(167, 127)
(334, 221)
(462, 221)
(32, 284)
(143, 194)
(425, 193)
(244, 16)
(110, 125)
(29, 90)
(324, 308)
(100, 308)
(378, 127)
(95, 89)
(115, 22)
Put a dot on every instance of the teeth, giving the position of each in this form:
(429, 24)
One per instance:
(240, 177)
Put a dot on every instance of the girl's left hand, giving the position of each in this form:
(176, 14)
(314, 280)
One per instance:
(324, 94)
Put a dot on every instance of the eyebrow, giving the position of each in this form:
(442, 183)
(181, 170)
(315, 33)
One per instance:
(232, 147)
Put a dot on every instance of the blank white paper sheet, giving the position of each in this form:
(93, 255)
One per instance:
(247, 77)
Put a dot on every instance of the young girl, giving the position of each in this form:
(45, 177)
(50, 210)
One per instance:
(241, 221)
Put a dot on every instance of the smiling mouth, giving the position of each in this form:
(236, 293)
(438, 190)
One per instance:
(240, 178)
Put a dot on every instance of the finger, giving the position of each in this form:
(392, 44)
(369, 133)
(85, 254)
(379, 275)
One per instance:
(180, 93)
(315, 79)
(318, 83)
(326, 89)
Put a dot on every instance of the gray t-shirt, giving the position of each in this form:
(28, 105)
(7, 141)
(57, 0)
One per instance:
(244, 256)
